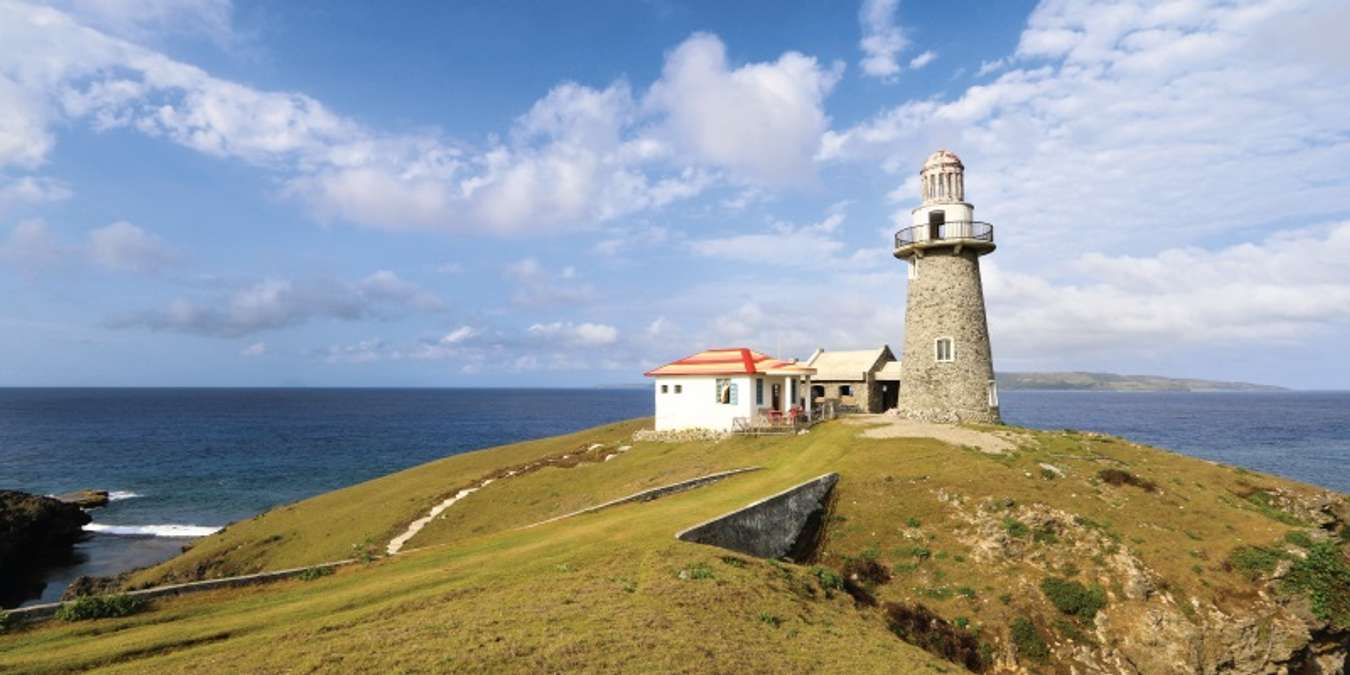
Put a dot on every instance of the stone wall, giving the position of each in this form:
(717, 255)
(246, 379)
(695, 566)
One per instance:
(946, 300)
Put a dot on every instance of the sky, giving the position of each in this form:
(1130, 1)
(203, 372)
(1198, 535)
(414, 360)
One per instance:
(217, 193)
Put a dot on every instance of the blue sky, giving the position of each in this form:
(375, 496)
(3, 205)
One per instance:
(200, 192)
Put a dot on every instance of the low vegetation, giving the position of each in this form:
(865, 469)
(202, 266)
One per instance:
(1118, 477)
(101, 607)
(924, 566)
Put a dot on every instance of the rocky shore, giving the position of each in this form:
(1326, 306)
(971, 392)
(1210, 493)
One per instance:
(35, 532)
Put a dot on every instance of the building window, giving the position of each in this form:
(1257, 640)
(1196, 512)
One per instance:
(726, 391)
(679, 389)
(664, 388)
(913, 268)
(794, 392)
(845, 390)
(946, 350)
(759, 391)
(993, 394)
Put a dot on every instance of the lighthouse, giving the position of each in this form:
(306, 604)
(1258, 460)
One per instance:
(947, 367)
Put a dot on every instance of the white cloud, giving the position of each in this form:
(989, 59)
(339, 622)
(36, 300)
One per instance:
(254, 350)
(814, 244)
(579, 157)
(987, 67)
(761, 120)
(922, 59)
(123, 246)
(1126, 121)
(151, 19)
(882, 38)
(583, 334)
(30, 190)
(537, 286)
(272, 304)
(459, 335)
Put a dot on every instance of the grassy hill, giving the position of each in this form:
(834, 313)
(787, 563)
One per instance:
(1069, 549)
(1083, 381)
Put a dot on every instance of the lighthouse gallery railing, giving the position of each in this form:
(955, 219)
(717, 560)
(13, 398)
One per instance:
(954, 230)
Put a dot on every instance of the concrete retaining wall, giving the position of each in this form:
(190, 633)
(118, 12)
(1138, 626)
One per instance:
(772, 527)
(653, 493)
(47, 611)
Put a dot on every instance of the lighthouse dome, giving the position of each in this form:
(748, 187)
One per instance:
(943, 159)
(942, 180)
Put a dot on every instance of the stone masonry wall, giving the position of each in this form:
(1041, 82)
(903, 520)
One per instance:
(946, 300)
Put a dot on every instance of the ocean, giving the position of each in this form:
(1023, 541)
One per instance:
(184, 462)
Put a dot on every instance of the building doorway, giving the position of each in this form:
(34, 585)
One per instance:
(890, 396)
(776, 397)
(936, 219)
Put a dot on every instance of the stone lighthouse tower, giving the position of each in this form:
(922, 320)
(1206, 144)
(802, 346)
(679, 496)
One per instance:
(947, 369)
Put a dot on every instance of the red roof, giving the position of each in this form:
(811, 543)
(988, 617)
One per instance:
(733, 361)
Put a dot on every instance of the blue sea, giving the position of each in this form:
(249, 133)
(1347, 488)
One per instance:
(183, 462)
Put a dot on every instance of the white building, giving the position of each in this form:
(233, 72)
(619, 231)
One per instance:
(722, 389)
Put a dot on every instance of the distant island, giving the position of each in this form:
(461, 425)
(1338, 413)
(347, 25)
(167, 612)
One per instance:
(1080, 381)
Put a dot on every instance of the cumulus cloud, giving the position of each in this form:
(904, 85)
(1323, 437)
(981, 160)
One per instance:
(882, 38)
(582, 334)
(539, 287)
(30, 190)
(123, 246)
(1124, 121)
(580, 156)
(272, 304)
(762, 120)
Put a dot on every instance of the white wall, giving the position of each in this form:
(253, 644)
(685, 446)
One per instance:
(696, 407)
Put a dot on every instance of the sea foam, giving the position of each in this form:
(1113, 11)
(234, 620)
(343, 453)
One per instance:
(119, 495)
(170, 530)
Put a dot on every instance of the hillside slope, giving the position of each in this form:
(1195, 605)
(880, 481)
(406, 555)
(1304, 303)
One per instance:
(1084, 381)
(1068, 551)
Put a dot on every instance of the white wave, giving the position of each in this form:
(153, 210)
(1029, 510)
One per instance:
(170, 530)
(119, 495)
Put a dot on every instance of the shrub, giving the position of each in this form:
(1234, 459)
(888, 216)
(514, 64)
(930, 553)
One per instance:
(1299, 538)
(733, 561)
(912, 521)
(697, 571)
(872, 552)
(965, 592)
(1074, 598)
(1118, 477)
(921, 627)
(1048, 474)
(1016, 528)
(1325, 576)
(100, 607)
(1029, 642)
(1006, 598)
(771, 619)
(1253, 561)
(316, 573)
(828, 578)
(1045, 534)
(7, 622)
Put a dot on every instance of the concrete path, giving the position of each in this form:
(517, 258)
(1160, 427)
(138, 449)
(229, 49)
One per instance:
(889, 426)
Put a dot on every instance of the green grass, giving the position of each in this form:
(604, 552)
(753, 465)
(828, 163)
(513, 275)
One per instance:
(101, 607)
(603, 592)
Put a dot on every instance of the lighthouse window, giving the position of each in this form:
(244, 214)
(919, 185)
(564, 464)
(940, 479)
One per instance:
(914, 269)
(993, 394)
(945, 350)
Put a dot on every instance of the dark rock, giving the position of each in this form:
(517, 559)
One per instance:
(85, 586)
(85, 499)
(35, 532)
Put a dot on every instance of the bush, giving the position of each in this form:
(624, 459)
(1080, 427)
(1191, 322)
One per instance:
(1118, 477)
(101, 607)
(316, 573)
(1253, 562)
(1016, 528)
(771, 619)
(1299, 538)
(697, 571)
(912, 521)
(7, 622)
(867, 571)
(1029, 642)
(1074, 598)
(1325, 576)
(828, 578)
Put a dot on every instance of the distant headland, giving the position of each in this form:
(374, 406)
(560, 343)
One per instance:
(1083, 381)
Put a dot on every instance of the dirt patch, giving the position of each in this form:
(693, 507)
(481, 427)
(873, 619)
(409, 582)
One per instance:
(888, 426)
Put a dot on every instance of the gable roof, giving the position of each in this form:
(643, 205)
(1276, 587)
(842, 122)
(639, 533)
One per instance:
(733, 361)
(849, 365)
